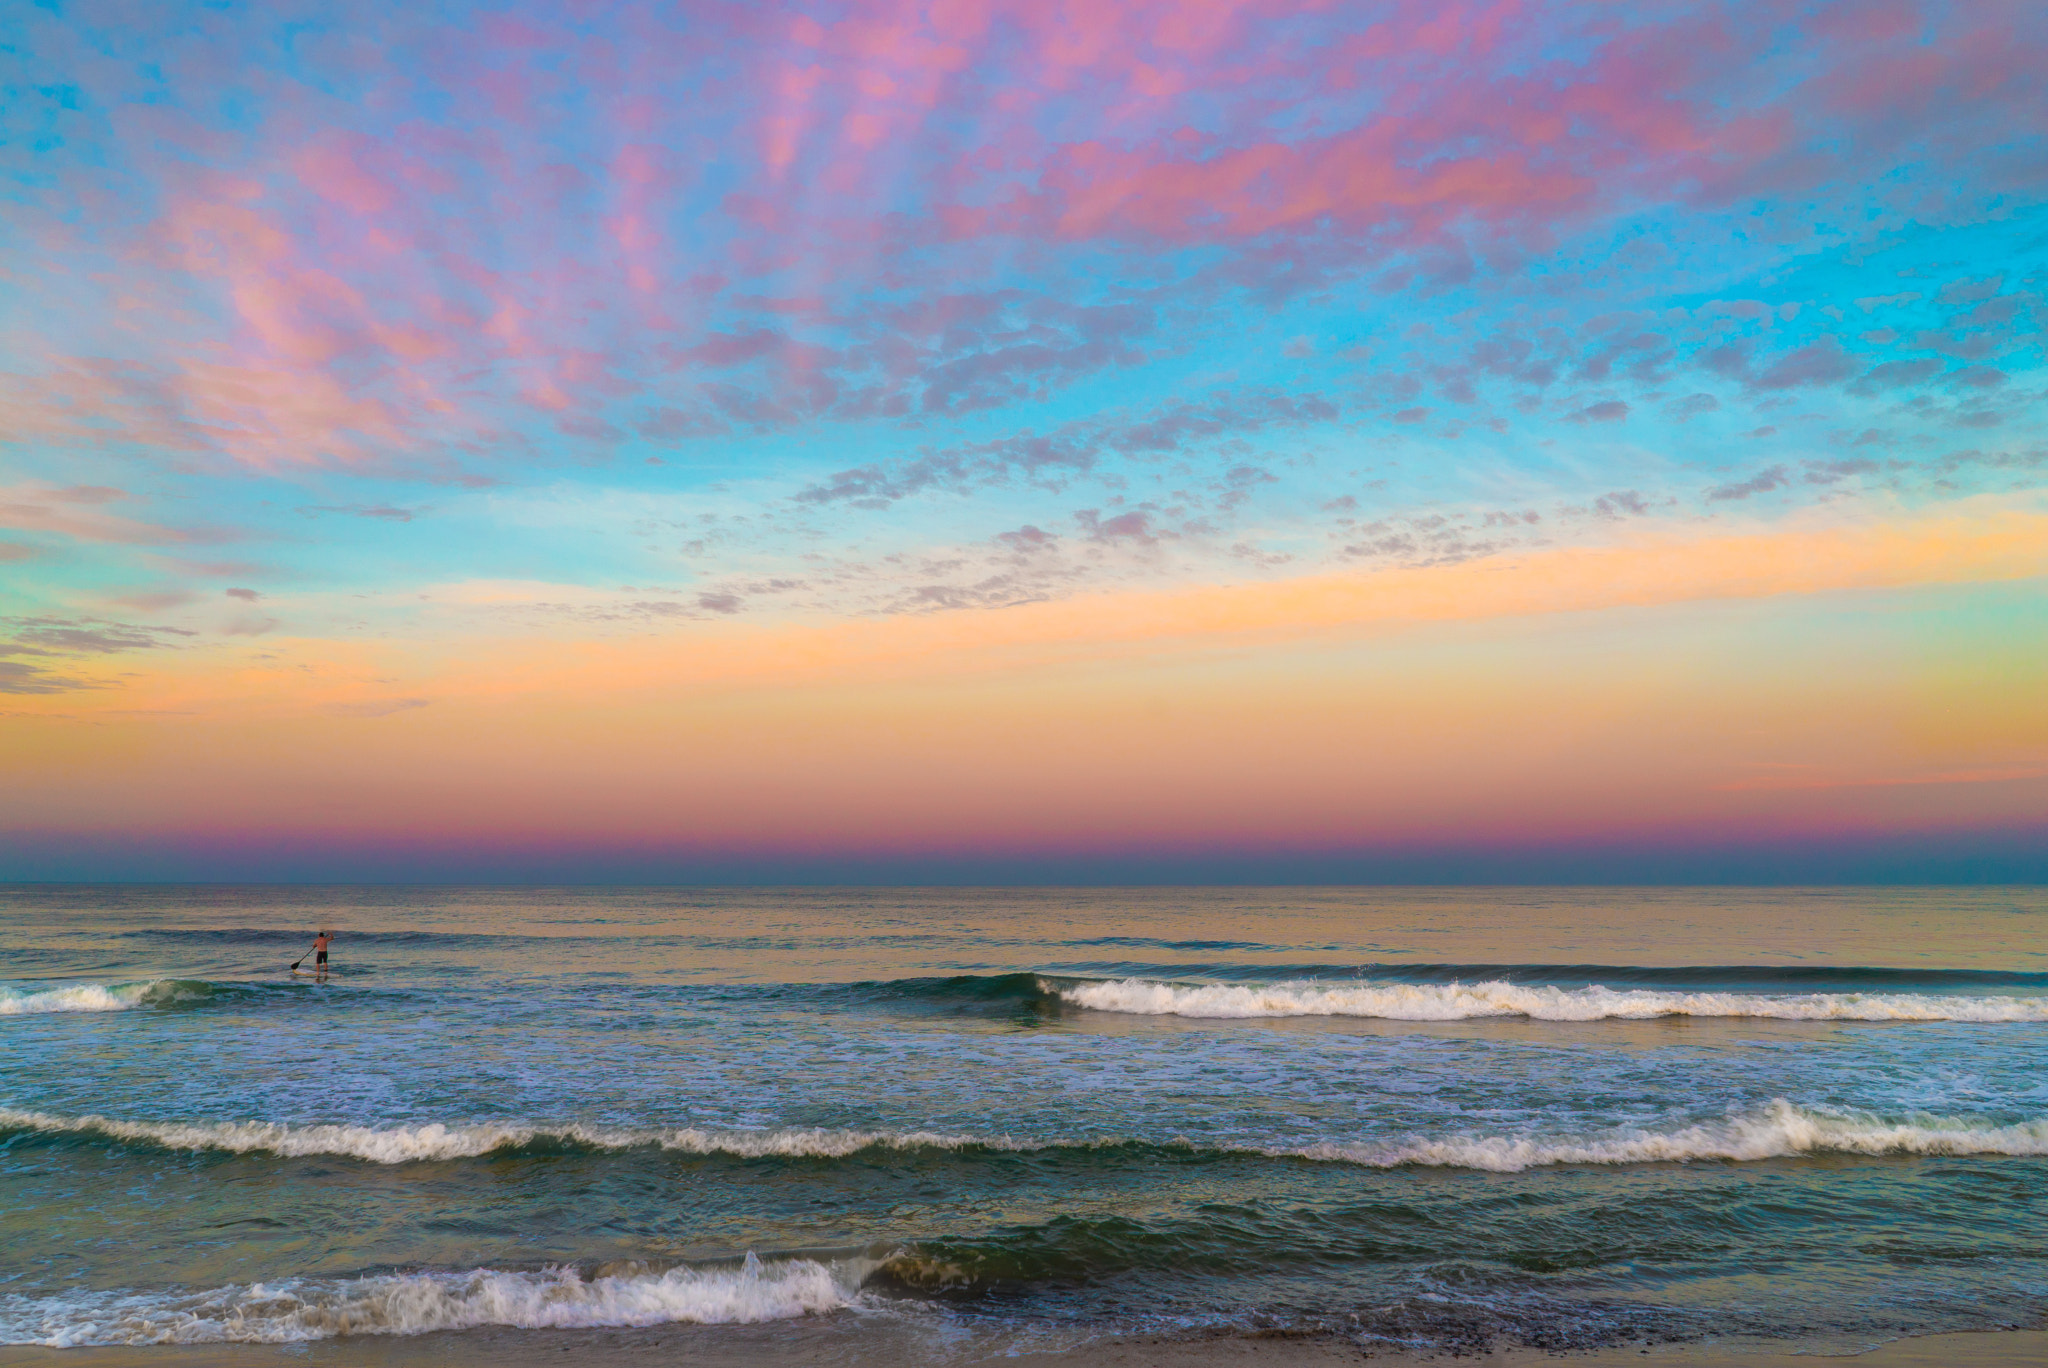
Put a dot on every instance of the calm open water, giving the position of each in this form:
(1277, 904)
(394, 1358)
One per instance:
(986, 1120)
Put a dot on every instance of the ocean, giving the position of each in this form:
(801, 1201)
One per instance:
(963, 1124)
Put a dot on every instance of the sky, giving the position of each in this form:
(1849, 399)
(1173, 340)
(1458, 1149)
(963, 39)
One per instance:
(1055, 441)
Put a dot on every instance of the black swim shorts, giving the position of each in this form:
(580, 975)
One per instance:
(320, 958)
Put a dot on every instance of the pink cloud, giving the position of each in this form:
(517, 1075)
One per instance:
(332, 169)
(78, 512)
(462, 224)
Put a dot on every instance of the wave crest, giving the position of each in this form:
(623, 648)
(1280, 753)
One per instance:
(101, 997)
(437, 1141)
(1778, 1130)
(419, 1303)
(1464, 1001)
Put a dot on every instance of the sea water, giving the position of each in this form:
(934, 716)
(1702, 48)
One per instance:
(979, 1121)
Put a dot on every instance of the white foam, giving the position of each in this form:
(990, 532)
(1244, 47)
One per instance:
(1462, 1001)
(1779, 1131)
(418, 1303)
(81, 997)
(434, 1140)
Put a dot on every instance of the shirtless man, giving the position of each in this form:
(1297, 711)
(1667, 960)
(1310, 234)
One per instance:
(320, 944)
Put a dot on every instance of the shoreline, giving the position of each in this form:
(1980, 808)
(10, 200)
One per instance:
(795, 1343)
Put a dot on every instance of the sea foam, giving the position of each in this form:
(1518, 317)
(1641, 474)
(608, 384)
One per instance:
(437, 1141)
(1463, 1001)
(1777, 1130)
(418, 1303)
(87, 997)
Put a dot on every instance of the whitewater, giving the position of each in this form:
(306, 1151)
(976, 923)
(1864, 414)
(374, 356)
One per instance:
(1778, 1130)
(297, 1310)
(1459, 1002)
(90, 997)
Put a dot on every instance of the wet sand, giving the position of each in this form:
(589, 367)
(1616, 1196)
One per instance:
(732, 1347)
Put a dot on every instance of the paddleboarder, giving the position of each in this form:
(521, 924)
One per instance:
(320, 944)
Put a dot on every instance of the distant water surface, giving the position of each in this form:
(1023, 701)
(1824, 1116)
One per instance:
(979, 1121)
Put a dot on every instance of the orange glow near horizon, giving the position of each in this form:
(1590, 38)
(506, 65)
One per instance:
(1669, 690)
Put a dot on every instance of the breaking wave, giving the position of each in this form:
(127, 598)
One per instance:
(1778, 1130)
(418, 1303)
(1463, 1001)
(101, 997)
(436, 1141)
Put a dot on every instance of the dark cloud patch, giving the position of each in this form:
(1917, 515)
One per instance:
(1693, 405)
(1258, 555)
(1643, 356)
(1607, 411)
(996, 591)
(1824, 361)
(696, 607)
(1763, 482)
(1052, 460)
(15, 551)
(1028, 539)
(1398, 544)
(1513, 357)
(1963, 340)
(245, 595)
(733, 348)
(667, 424)
(91, 637)
(1423, 551)
(1731, 360)
(29, 677)
(2034, 459)
(1893, 374)
(1420, 541)
(47, 637)
(1027, 350)
(1821, 362)
(1133, 528)
(942, 354)
(1621, 503)
(1238, 482)
(1970, 291)
(1833, 472)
